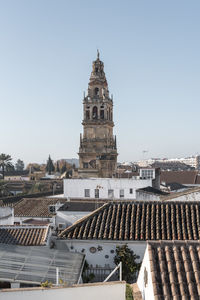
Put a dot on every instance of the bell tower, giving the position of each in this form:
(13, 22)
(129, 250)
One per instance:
(98, 149)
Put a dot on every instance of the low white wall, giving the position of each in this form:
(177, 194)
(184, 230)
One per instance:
(105, 291)
(22, 219)
(6, 215)
(145, 275)
(74, 188)
(69, 217)
(108, 249)
(194, 196)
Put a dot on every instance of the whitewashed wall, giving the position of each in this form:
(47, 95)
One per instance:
(142, 196)
(96, 291)
(193, 196)
(6, 216)
(108, 248)
(69, 217)
(74, 188)
(146, 289)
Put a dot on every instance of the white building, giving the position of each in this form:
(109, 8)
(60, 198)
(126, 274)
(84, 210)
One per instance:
(170, 271)
(6, 215)
(104, 188)
(132, 223)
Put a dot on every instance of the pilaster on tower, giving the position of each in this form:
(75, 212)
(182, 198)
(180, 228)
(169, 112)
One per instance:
(97, 151)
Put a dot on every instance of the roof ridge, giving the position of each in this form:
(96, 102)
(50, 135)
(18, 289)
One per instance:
(93, 213)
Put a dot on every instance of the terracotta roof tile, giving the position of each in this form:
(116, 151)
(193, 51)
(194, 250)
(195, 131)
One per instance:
(179, 279)
(24, 235)
(139, 221)
(35, 207)
(182, 177)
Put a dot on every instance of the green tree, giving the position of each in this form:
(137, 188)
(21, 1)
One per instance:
(57, 167)
(129, 265)
(50, 167)
(5, 163)
(19, 166)
(4, 189)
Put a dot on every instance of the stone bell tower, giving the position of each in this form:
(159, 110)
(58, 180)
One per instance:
(98, 149)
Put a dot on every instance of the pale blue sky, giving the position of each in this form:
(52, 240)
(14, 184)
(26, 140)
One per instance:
(151, 53)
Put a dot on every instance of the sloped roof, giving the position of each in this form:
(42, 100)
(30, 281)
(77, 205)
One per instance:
(175, 269)
(182, 177)
(80, 206)
(34, 265)
(139, 220)
(176, 186)
(152, 190)
(24, 235)
(35, 207)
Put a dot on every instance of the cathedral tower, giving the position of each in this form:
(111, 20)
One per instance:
(98, 149)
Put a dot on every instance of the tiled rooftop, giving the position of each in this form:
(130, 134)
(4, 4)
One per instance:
(24, 235)
(183, 177)
(35, 207)
(175, 269)
(139, 221)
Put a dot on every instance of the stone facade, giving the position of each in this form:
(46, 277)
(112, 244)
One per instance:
(98, 149)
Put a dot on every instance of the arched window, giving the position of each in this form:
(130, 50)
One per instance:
(96, 69)
(96, 91)
(95, 113)
(102, 114)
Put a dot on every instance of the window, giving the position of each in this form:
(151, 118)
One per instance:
(96, 193)
(102, 114)
(121, 193)
(87, 193)
(110, 193)
(131, 191)
(16, 223)
(94, 113)
(96, 91)
(61, 225)
(85, 165)
(148, 173)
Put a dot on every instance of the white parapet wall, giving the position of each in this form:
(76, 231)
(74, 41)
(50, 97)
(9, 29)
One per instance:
(96, 291)
(113, 188)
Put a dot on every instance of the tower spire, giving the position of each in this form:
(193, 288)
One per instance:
(97, 53)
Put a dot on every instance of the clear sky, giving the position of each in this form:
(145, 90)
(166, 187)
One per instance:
(151, 54)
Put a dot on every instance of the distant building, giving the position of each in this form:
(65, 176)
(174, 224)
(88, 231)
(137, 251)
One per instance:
(173, 164)
(98, 149)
